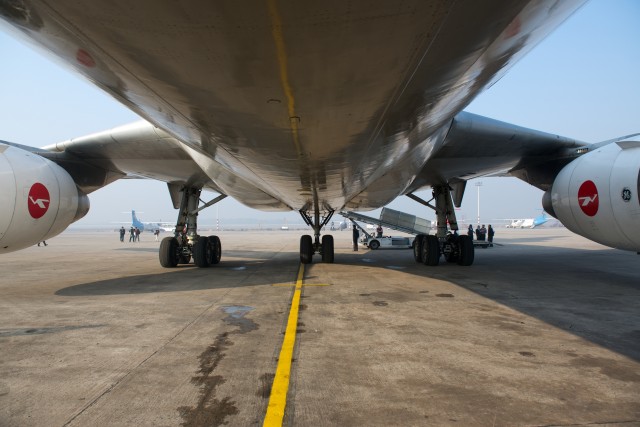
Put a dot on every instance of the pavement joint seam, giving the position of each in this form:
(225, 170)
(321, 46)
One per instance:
(130, 372)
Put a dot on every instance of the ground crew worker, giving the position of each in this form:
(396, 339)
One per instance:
(490, 234)
(356, 235)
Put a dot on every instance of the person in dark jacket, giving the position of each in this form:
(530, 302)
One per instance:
(483, 233)
(490, 234)
(356, 235)
(470, 231)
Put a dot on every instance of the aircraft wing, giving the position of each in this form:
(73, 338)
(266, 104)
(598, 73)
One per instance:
(473, 146)
(143, 150)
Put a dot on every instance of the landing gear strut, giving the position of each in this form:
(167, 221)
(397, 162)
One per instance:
(455, 248)
(186, 242)
(309, 246)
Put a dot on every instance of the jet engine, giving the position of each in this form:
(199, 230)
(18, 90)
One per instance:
(38, 199)
(596, 195)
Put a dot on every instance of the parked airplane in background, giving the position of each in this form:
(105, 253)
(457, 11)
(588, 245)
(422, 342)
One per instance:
(310, 107)
(164, 226)
(529, 222)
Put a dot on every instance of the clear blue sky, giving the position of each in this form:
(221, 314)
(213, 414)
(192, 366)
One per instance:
(581, 82)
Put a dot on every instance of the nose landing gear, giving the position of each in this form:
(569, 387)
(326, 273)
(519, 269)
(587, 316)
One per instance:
(309, 246)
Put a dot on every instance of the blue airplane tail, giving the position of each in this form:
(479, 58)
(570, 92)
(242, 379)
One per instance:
(539, 220)
(136, 222)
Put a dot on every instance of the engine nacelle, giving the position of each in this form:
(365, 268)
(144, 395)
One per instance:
(596, 195)
(38, 199)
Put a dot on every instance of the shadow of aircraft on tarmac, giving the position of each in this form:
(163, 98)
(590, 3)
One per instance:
(591, 293)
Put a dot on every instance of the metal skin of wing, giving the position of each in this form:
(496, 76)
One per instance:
(314, 105)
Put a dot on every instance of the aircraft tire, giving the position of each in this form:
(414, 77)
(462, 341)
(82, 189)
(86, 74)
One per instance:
(430, 251)
(216, 249)
(417, 247)
(466, 251)
(306, 249)
(168, 253)
(327, 248)
(374, 244)
(202, 252)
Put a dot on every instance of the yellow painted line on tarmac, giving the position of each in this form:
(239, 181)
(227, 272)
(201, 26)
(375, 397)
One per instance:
(288, 285)
(280, 387)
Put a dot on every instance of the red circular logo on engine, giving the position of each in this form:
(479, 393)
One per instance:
(38, 202)
(588, 198)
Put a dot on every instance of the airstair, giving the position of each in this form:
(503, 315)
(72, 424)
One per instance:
(394, 220)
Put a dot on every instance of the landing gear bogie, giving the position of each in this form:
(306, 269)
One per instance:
(186, 243)
(311, 245)
(428, 248)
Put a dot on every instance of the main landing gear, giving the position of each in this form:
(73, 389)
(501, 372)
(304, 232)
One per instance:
(427, 249)
(309, 246)
(186, 244)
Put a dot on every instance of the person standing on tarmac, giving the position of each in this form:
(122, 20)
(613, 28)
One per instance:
(356, 236)
(122, 233)
(470, 231)
(132, 235)
(490, 234)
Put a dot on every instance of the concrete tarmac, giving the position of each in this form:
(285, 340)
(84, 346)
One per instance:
(544, 329)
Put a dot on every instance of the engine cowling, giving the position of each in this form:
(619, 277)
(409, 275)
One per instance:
(596, 195)
(38, 199)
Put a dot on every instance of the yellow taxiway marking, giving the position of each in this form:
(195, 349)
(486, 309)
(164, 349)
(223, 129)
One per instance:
(278, 397)
(288, 285)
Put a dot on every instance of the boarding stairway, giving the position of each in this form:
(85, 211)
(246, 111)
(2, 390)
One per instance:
(395, 220)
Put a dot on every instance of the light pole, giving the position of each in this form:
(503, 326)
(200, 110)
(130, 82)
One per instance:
(478, 185)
